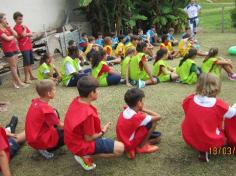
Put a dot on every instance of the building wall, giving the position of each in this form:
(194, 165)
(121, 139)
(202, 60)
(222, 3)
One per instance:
(37, 12)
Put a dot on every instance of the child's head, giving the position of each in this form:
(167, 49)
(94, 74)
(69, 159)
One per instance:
(212, 53)
(46, 58)
(46, 88)
(134, 98)
(164, 38)
(171, 31)
(97, 57)
(153, 28)
(208, 85)
(3, 19)
(18, 17)
(71, 43)
(192, 53)
(141, 47)
(121, 38)
(87, 87)
(107, 40)
(188, 30)
(84, 36)
(91, 39)
(129, 32)
(134, 40)
(130, 51)
(99, 35)
(187, 36)
(140, 31)
(161, 54)
(74, 52)
(113, 35)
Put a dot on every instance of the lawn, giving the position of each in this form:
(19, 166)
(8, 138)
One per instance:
(174, 158)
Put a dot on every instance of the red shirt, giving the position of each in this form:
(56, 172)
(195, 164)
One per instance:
(39, 125)
(81, 119)
(4, 145)
(230, 131)
(105, 69)
(25, 43)
(128, 127)
(202, 126)
(8, 46)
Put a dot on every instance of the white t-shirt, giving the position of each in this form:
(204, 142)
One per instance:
(192, 10)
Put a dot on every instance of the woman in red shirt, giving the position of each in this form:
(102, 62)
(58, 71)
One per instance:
(10, 49)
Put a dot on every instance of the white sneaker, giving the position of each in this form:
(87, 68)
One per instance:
(232, 77)
(47, 155)
(86, 162)
(141, 84)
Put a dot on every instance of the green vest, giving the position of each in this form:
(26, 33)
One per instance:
(135, 73)
(41, 71)
(74, 63)
(157, 71)
(209, 66)
(184, 73)
(123, 66)
(102, 80)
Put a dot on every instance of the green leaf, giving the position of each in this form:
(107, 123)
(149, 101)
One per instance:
(84, 3)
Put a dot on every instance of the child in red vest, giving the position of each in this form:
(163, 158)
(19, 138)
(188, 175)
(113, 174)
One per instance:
(10, 143)
(204, 115)
(25, 45)
(135, 126)
(83, 131)
(43, 128)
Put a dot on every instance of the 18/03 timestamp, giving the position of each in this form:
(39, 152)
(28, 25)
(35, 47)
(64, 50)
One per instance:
(222, 151)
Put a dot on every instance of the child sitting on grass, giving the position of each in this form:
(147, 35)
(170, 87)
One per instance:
(43, 128)
(143, 38)
(105, 75)
(47, 69)
(10, 143)
(171, 38)
(83, 131)
(138, 69)
(167, 44)
(136, 125)
(213, 64)
(109, 51)
(161, 69)
(204, 114)
(124, 65)
(71, 68)
(187, 69)
(99, 41)
(120, 49)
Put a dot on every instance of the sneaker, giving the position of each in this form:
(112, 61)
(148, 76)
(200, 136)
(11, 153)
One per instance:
(141, 84)
(232, 77)
(131, 154)
(86, 162)
(47, 155)
(133, 82)
(12, 125)
(203, 156)
(147, 148)
(155, 134)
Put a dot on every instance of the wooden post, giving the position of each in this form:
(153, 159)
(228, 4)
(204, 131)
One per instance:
(222, 20)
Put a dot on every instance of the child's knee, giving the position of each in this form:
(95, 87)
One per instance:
(118, 148)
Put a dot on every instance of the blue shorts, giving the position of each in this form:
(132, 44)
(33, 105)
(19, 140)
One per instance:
(14, 147)
(104, 145)
(28, 58)
(11, 54)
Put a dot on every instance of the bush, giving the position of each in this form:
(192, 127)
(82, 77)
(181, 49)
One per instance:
(233, 17)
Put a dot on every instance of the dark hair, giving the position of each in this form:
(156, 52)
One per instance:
(141, 46)
(44, 58)
(72, 52)
(113, 34)
(187, 28)
(121, 37)
(86, 85)
(71, 42)
(133, 96)
(164, 37)
(171, 30)
(97, 57)
(186, 36)
(134, 37)
(140, 29)
(17, 15)
(84, 34)
(160, 53)
(91, 38)
(211, 53)
(191, 53)
(152, 26)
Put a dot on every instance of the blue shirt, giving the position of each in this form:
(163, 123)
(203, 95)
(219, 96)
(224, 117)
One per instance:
(151, 33)
(170, 37)
(115, 40)
(127, 39)
(100, 41)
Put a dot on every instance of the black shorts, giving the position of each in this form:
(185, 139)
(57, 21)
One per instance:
(14, 147)
(104, 145)
(11, 54)
(60, 142)
(28, 58)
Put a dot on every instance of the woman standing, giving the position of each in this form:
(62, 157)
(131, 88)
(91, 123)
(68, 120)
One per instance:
(10, 49)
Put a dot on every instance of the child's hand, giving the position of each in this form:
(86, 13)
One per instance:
(106, 127)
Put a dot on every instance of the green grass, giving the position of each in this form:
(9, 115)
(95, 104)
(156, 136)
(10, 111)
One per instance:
(175, 158)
